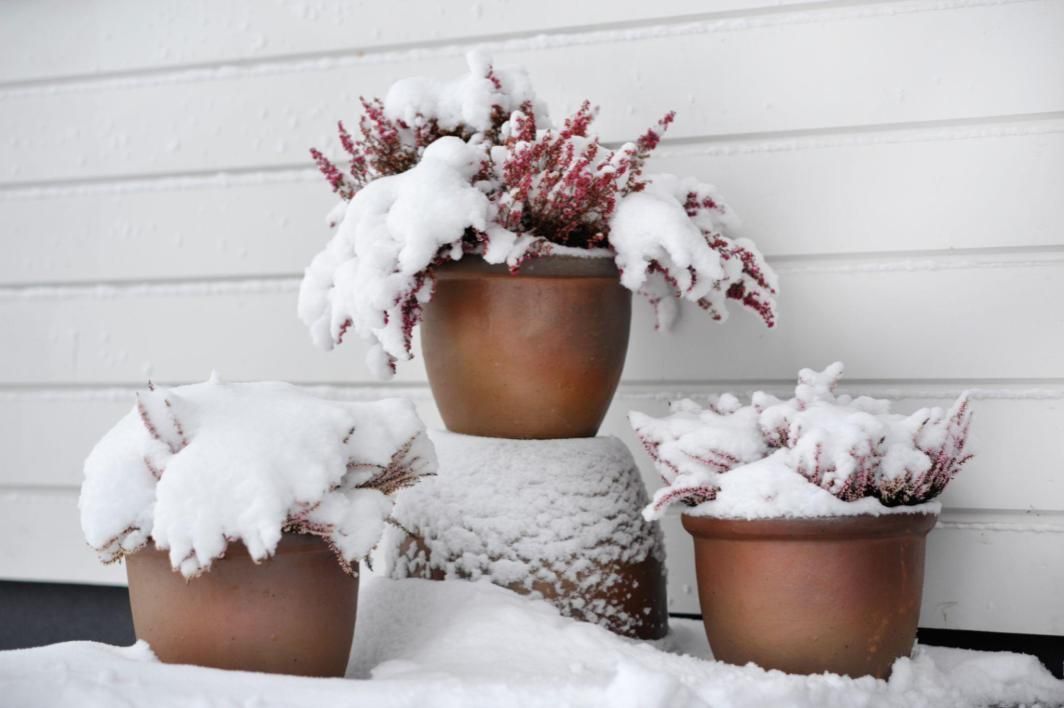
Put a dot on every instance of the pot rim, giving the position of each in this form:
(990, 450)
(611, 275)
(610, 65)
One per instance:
(472, 266)
(291, 543)
(858, 526)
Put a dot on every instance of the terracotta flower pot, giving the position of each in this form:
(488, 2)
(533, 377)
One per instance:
(291, 614)
(532, 355)
(839, 594)
(638, 591)
(556, 519)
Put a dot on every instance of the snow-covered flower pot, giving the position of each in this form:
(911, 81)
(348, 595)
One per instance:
(533, 354)
(260, 500)
(809, 517)
(293, 613)
(473, 170)
(555, 519)
(839, 594)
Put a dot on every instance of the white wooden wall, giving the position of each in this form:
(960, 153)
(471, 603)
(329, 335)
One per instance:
(902, 164)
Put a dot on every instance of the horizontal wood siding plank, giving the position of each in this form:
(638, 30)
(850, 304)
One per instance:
(42, 39)
(925, 321)
(212, 229)
(842, 67)
(889, 192)
(42, 541)
(995, 581)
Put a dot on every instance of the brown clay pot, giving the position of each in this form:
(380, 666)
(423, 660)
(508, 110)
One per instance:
(839, 594)
(291, 614)
(567, 514)
(537, 354)
(639, 595)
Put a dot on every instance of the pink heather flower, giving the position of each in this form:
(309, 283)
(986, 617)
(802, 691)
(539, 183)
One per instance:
(332, 173)
(688, 496)
(548, 188)
(853, 448)
(645, 145)
(564, 185)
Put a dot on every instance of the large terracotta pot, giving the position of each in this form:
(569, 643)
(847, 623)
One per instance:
(559, 520)
(537, 354)
(839, 594)
(636, 596)
(291, 614)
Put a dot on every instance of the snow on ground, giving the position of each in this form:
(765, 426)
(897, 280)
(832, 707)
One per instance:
(424, 643)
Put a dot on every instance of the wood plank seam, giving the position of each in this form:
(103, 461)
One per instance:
(981, 128)
(1037, 257)
(842, 10)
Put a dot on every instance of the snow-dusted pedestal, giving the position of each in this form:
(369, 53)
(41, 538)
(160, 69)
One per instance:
(558, 519)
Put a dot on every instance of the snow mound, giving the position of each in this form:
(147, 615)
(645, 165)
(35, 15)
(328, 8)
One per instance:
(196, 467)
(670, 243)
(472, 645)
(558, 519)
(468, 103)
(817, 454)
(373, 273)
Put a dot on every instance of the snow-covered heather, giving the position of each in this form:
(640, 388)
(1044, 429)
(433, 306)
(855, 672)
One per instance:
(471, 645)
(373, 274)
(660, 236)
(471, 102)
(560, 514)
(194, 468)
(816, 454)
(443, 170)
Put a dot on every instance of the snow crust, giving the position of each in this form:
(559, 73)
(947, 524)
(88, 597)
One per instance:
(654, 227)
(390, 234)
(465, 102)
(816, 454)
(770, 488)
(460, 644)
(194, 468)
(561, 515)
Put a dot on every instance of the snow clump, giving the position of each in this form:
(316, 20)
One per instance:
(194, 468)
(816, 454)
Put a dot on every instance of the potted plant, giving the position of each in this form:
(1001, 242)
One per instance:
(259, 499)
(809, 518)
(517, 245)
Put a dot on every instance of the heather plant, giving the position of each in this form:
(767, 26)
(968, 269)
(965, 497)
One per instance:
(853, 448)
(387, 147)
(195, 468)
(473, 166)
(395, 131)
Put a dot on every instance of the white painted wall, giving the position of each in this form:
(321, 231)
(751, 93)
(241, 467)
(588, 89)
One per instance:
(902, 164)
